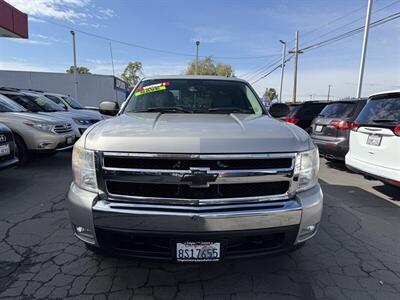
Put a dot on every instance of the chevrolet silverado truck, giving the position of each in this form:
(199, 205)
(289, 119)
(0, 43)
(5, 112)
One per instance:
(194, 169)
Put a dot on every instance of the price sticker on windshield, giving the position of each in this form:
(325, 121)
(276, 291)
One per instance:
(152, 88)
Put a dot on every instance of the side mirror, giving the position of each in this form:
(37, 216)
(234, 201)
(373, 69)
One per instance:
(279, 110)
(109, 108)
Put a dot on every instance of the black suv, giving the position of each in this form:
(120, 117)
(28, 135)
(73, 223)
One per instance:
(7, 148)
(331, 129)
(302, 114)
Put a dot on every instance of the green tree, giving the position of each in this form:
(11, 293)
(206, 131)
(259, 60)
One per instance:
(79, 70)
(132, 73)
(207, 66)
(270, 94)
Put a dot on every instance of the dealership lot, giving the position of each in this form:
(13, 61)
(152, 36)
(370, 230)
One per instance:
(355, 255)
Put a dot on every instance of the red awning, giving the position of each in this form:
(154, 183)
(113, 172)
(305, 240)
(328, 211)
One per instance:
(13, 23)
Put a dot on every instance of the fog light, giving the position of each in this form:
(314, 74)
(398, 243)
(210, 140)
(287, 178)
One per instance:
(307, 232)
(43, 145)
(84, 234)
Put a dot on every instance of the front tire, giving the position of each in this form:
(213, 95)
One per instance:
(21, 150)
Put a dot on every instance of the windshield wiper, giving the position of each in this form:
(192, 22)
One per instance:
(172, 109)
(384, 121)
(230, 110)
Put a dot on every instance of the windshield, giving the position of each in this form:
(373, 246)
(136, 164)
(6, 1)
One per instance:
(385, 110)
(338, 110)
(194, 96)
(43, 103)
(73, 103)
(7, 105)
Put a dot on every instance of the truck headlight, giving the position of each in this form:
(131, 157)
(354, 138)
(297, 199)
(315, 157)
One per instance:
(47, 127)
(84, 169)
(307, 167)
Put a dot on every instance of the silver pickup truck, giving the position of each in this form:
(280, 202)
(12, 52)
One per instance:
(193, 169)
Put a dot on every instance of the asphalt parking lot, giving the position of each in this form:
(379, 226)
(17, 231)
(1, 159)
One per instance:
(356, 254)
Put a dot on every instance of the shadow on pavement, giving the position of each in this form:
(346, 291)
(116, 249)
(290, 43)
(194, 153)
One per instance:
(391, 191)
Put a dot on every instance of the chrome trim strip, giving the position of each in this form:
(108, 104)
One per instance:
(287, 207)
(202, 156)
(65, 148)
(196, 202)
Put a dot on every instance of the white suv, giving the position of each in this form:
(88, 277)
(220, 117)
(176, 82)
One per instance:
(375, 139)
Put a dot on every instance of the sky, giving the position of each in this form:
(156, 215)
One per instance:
(244, 34)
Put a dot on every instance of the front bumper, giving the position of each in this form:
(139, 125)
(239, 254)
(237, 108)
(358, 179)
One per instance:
(285, 221)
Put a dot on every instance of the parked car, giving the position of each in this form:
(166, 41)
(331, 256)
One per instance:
(375, 139)
(40, 104)
(7, 147)
(331, 129)
(194, 169)
(71, 104)
(35, 132)
(302, 114)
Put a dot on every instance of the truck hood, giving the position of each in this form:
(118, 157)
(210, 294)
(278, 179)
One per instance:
(196, 133)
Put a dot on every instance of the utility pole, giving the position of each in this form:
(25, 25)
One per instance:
(113, 70)
(283, 68)
(196, 69)
(296, 53)
(74, 52)
(364, 49)
(329, 91)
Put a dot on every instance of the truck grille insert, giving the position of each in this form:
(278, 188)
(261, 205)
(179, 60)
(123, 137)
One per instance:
(187, 192)
(182, 164)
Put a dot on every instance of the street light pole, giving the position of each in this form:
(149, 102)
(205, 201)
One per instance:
(75, 76)
(283, 68)
(364, 49)
(196, 69)
(329, 91)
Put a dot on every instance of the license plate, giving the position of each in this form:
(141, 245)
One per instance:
(374, 140)
(318, 128)
(70, 140)
(5, 150)
(198, 251)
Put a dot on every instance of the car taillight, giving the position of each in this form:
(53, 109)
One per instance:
(291, 120)
(354, 126)
(396, 130)
(340, 124)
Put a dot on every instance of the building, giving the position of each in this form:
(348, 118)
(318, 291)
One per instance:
(92, 88)
(13, 23)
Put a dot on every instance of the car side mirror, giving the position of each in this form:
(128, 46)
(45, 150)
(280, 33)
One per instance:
(109, 108)
(279, 110)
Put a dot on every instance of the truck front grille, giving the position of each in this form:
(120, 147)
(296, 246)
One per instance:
(196, 179)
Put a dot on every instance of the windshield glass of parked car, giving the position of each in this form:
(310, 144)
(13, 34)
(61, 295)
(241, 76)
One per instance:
(7, 105)
(338, 110)
(73, 102)
(381, 111)
(194, 96)
(36, 103)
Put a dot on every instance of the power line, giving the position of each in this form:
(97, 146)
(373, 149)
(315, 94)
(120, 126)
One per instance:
(163, 51)
(352, 32)
(336, 39)
(352, 22)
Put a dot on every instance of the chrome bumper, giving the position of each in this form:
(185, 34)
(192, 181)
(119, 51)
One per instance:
(88, 211)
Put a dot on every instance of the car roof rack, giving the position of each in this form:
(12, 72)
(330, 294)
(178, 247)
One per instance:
(33, 90)
(4, 88)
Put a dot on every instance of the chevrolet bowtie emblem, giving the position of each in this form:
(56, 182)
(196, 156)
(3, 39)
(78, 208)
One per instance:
(199, 177)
